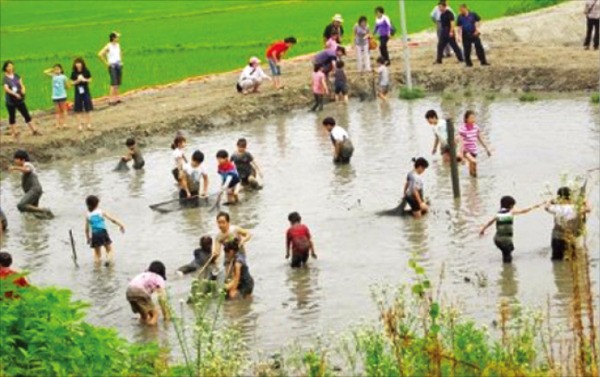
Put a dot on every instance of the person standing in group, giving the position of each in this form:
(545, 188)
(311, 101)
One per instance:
(246, 165)
(436, 18)
(142, 287)
(30, 184)
(383, 78)
(319, 87)
(468, 27)
(383, 28)
(59, 93)
(469, 134)
(299, 241)
(340, 82)
(14, 90)
(504, 225)
(361, 43)
(592, 14)
(95, 230)
(448, 34)
(81, 78)
(335, 27)
(275, 54)
(413, 188)
(251, 77)
(342, 145)
(112, 57)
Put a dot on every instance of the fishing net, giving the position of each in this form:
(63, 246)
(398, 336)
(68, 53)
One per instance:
(183, 204)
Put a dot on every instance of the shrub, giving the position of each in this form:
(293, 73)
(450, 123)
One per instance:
(595, 98)
(411, 94)
(528, 97)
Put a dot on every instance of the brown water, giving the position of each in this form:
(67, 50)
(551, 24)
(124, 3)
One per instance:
(533, 144)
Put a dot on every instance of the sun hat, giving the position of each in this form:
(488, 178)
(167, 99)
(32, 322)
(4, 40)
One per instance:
(254, 60)
(337, 17)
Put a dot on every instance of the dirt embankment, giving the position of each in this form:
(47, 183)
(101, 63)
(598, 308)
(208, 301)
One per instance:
(536, 51)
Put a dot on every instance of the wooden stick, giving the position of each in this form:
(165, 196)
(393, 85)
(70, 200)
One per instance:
(73, 247)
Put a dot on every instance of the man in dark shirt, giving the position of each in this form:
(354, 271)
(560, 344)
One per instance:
(447, 36)
(468, 24)
(334, 27)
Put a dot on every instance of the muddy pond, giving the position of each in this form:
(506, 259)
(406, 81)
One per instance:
(533, 145)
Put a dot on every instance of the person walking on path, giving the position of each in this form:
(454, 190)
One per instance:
(592, 13)
(335, 27)
(435, 17)
(59, 93)
(14, 90)
(468, 28)
(383, 28)
(112, 57)
(361, 43)
(275, 53)
(81, 78)
(448, 36)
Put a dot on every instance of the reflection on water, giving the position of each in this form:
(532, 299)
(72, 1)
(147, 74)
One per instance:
(356, 249)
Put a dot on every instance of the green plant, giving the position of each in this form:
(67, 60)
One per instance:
(490, 96)
(411, 94)
(595, 98)
(528, 97)
(517, 7)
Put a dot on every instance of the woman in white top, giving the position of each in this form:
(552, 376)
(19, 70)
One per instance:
(361, 42)
(251, 77)
(111, 56)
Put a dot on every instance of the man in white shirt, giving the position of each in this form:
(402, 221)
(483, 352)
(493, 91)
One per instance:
(251, 77)
(435, 17)
(342, 146)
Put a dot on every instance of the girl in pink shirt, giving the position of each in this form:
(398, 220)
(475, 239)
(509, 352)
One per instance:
(319, 87)
(470, 134)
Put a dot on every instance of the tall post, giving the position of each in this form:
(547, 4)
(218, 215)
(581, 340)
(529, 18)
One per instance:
(405, 46)
(453, 162)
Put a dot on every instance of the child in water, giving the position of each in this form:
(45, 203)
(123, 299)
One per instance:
(319, 87)
(383, 78)
(31, 186)
(504, 226)
(440, 132)
(202, 256)
(340, 82)
(470, 134)
(413, 188)
(179, 159)
(238, 281)
(95, 230)
(140, 291)
(189, 180)
(133, 153)
(229, 176)
(299, 240)
(246, 165)
(59, 93)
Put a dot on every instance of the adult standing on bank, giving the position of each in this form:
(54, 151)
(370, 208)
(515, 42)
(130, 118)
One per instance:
(275, 53)
(468, 24)
(435, 17)
(14, 90)
(361, 43)
(81, 77)
(448, 36)
(592, 13)
(334, 28)
(112, 57)
(383, 28)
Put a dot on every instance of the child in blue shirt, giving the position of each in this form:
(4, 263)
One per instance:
(95, 230)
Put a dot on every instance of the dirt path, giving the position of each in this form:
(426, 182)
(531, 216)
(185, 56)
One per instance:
(536, 51)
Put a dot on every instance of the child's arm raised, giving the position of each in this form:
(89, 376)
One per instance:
(245, 235)
(489, 224)
(526, 210)
(115, 221)
(49, 72)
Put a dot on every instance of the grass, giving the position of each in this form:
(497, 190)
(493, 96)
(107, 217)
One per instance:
(166, 41)
(595, 98)
(410, 94)
(528, 97)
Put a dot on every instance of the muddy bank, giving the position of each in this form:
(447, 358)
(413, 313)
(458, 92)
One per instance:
(524, 55)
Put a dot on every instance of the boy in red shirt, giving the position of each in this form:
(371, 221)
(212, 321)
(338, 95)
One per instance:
(274, 54)
(298, 239)
(6, 271)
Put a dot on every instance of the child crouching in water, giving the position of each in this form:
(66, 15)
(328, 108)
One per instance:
(229, 176)
(504, 226)
(238, 281)
(95, 230)
(299, 240)
(133, 153)
(202, 257)
(140, 291)
(413, 188)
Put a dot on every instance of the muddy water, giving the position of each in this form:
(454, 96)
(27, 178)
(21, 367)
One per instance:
(533, 144)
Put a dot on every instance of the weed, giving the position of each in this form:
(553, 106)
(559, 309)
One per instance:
(490, 96)
(595, 98)
(528, 97)
(411, 94)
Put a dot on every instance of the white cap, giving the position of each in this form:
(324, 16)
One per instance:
(337, 17)
(254, 60)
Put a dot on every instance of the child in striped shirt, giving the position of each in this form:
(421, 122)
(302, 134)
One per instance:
(470, 134)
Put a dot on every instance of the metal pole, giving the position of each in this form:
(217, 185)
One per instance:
(405, 46)
(73, 247)
(453, 162)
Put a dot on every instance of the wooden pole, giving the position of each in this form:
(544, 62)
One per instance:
(405, 46)
(453, 162)
(73, 247)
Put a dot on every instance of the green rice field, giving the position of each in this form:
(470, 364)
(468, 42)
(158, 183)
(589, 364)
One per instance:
(166, 41)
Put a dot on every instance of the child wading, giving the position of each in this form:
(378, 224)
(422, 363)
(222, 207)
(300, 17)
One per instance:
(246, 165)
(383, 78)
(470, 134)
(140, 291)
(30, 184)
(229, 176)
(504, 226)
(179, 159)
(238, 281)
(299, 240)
(191, 174)
(133, 154)
(95, 230)
(340, 82)
(319, 87)
(413, 188)
(440, 132)
(59, 93)
(342, 145)
(202, 257)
